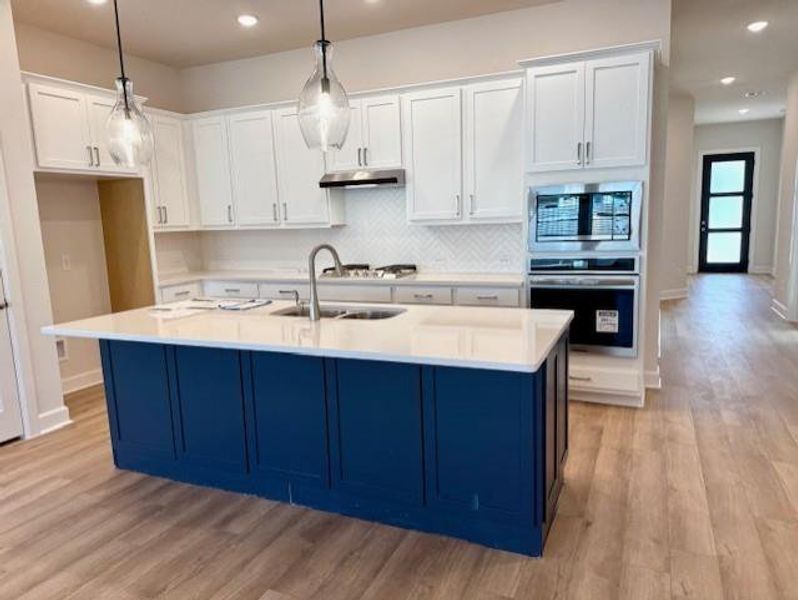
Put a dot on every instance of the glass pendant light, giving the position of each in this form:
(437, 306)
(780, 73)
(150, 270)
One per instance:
(130, 140)
(323, 105)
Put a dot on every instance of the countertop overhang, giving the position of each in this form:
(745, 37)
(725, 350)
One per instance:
(504, 339)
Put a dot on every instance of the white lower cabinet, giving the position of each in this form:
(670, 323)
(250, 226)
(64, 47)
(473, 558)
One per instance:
(481, 296)
(354, 293)
(231, 289)
(284, 291)
(183, 291)
(422, 295)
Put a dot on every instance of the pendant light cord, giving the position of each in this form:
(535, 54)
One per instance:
(121, 57)
(325, 81)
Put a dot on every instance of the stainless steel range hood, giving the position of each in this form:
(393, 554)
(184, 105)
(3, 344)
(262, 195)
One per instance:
(364, 178)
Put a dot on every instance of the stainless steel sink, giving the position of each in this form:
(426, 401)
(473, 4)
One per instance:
(358, 313)
(304, 311)
(372, 315)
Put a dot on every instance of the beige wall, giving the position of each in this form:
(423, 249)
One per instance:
(789, 155)
(468, 47)
(55, 55)
(678, 185)
(23, 255)
(766, 137)
(71, 226)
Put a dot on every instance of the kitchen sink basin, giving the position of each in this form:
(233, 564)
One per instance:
(371, 315)
(354, 313)
(304, 311)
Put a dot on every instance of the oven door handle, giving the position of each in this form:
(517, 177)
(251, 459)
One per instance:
(584, 282)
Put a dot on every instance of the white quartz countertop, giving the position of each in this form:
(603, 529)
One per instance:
(506, 339)
(453, 279)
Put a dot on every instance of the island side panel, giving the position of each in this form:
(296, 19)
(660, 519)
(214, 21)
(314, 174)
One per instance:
(555, 429)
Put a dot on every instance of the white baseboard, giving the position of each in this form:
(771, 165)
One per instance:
(636, 401)
(52, 420)
(652, 379)
(779, 308)
(674, 294)
(760, 269)
(82, 381)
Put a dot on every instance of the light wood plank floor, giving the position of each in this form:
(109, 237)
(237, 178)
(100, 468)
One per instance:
(695, 496)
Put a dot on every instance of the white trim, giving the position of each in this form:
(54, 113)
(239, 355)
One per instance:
(695, 202)
(649, 46)
(673, 294)
(81, 381)
(760, 269)
(779, 308)
(791, 311)
(52, 420)
(653, 379)
(631, 401)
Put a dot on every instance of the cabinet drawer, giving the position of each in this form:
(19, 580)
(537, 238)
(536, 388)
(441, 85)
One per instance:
(355, 293)
(604, 380)
(479, 296)
(185, 291)
(423, 295)
(283, 291)
(231, 289)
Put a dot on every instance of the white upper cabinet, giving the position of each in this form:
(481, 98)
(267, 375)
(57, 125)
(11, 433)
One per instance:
(375, 135)
(170, 198)
(254, 170)
(433, 143)
(493, 157)
(616, 118)
(592, 114)
(556, 108)
(214, 185)
(69, 129)
(299, 169)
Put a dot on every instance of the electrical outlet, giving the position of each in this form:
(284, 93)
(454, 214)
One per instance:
(66, 262)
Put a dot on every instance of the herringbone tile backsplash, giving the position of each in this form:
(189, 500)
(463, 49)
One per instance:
(376, 232)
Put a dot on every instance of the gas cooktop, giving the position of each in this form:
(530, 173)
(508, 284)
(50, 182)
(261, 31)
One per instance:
(364, 271)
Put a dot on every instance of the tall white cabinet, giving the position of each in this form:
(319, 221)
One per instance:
(170, 195)
(214, 182)
(591, 114)
(464, 150)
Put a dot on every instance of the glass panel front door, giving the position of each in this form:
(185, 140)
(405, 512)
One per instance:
(726, 194)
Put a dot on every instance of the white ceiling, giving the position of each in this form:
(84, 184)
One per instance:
(183, 33)
(710, 41)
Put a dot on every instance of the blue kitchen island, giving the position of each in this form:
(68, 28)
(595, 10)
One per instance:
(442, 419)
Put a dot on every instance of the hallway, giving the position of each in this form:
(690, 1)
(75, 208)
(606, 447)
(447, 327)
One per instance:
(695, 496)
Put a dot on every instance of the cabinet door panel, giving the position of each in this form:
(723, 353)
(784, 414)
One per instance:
(211, 407)
(347, 157)
(254, 168)
(556, 117)
(478, 429)
(299, 170)
(214, 186)
(433, 141)
(139, 407)
(99, 108)
(377, 430)
(60, 128)
(382, 132)
(169, 171)
(616, 124)
(289, 429)
(494, 151)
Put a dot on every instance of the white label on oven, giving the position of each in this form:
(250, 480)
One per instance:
(607, 321)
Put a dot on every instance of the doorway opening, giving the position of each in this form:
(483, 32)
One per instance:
(727, 184)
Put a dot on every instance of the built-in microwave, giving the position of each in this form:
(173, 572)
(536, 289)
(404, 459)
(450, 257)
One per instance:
(585, 217)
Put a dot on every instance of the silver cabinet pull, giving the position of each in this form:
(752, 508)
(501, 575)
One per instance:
(471, 199)
(91, 156)
(587, 153)
(160, 215)
(165, 215)
(285, 211)
(229, 213)
(579, 153)
(232, 290)
(97, 156)
(494, 297)
(360, 157)
(274, 212)
(4, 305)
(365, 157)
(183, 293)
(422, 296)
(579, 378)
(457, 197)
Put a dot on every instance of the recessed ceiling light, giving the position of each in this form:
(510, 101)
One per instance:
(97, 2)
(247, 20)
(757, 26)
(728, 80)
(743, 111)
(754, 94)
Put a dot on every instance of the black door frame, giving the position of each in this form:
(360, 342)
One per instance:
(748, 194)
